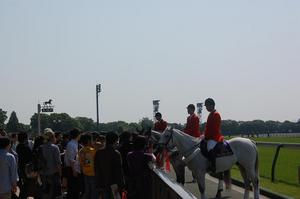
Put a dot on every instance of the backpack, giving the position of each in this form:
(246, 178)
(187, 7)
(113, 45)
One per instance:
(40, 162)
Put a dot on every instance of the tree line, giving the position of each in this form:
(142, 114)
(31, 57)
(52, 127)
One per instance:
(63, 122)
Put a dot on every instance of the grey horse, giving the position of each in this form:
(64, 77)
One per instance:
(244, 154)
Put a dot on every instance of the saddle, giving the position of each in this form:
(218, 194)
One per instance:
(220, 150)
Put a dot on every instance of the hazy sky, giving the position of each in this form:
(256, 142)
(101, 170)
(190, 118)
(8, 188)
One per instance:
(244, 54)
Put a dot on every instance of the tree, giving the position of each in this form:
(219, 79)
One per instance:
(87, 124)
(229, 127)
(146, 123)
(63, 122)
(44, 121)
(24, 127)
(272, 126)
(258, 126)
(13, 123)
(3, 117)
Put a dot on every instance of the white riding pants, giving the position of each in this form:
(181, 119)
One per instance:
(211, 144)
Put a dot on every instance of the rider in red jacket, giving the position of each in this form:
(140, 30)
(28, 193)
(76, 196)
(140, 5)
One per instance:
(192, 127)
(212, 133)
(161, 156)
(160, 125)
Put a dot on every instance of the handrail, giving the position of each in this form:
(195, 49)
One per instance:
(180, 191)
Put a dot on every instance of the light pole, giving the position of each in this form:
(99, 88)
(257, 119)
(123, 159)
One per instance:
(155, 108)
(98, 90)
(39, 118)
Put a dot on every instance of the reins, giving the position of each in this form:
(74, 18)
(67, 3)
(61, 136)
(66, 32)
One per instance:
(171, 137)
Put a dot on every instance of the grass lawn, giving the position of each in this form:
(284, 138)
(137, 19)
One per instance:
(286, 170)
(277, 187)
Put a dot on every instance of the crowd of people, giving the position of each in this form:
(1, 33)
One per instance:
(81, 164)
(87, 164)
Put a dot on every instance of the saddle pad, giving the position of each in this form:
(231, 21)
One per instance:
(223, 149)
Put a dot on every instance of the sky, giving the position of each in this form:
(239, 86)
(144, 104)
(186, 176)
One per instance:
(243, 54)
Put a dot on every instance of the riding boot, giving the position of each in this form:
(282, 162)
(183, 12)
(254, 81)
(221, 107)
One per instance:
(212, 161)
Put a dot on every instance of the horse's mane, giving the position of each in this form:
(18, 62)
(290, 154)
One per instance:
(195, 140)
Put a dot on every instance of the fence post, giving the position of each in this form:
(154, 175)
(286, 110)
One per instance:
(274, 162)
(299, 174)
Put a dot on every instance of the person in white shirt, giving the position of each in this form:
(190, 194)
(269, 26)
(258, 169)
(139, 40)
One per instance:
(72, 165)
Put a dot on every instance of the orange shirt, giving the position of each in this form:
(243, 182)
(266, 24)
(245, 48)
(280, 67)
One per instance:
(213, 127)
(192, 126)
(160, 126)
(86, 158)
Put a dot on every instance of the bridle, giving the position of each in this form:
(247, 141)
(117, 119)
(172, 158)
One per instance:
(169, 139)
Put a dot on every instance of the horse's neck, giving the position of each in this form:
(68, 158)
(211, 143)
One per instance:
(184, 143)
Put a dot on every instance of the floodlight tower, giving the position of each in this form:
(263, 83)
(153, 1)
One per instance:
(155, 108)
(98, 90)
(199, 111)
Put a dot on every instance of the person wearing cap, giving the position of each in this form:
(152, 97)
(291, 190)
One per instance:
(212, 133)
(160, 125)
(51, 172)
(192, 127)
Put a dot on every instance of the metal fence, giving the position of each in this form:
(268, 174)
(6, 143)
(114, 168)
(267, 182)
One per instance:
(278, 147)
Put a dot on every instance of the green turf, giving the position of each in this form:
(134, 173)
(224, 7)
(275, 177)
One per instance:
(278, 139)
(277, 187)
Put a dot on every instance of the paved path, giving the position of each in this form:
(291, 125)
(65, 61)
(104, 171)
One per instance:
(211, 188)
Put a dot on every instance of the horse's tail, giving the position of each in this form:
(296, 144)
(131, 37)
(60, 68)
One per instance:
(227, 179)
(256, 159)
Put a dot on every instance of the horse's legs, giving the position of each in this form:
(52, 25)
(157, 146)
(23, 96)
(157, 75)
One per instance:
(201, 183)
(255, 183)
(179, 168)
(180, 178)
(220, 184)
(227, 179)
(253, 176)
(246, 181)
(255, 179)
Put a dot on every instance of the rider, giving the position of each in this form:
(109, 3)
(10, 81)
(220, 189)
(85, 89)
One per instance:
(192, 127)
(160, 125)
(161, 156)
(212, 133)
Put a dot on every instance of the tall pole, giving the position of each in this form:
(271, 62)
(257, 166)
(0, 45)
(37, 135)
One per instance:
(98, 90)
(39, 118)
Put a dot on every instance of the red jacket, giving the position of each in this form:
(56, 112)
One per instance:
(192, 126)
(160, 126)
(213, 127)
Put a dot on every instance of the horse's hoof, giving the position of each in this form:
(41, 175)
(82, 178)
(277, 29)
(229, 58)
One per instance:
(219, 195)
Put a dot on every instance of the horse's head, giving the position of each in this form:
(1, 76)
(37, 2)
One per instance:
(155, 136)
(166, 139)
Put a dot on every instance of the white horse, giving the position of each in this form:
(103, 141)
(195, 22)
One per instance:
(244, 152)
(178, 163)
